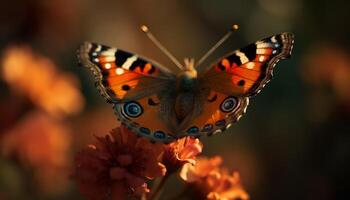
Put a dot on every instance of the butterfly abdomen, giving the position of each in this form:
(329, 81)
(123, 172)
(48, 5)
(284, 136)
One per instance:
(184, 104)
(187, 84)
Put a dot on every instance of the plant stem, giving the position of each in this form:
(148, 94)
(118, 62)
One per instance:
(178, 196)
(156, 192)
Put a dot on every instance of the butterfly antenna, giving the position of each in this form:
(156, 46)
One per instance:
(161, 47)
(222, 40)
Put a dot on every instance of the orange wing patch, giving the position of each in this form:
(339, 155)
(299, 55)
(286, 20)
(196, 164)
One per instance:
(219, 112)
(122, 76)
(250, 68)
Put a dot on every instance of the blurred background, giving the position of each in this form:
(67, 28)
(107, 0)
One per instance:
(293, 143)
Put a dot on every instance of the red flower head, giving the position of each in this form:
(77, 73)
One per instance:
(180, 152)
(208, 181)
(117, 165)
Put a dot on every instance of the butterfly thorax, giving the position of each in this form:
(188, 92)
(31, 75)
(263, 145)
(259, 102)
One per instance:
(187, 79)
(187, 84)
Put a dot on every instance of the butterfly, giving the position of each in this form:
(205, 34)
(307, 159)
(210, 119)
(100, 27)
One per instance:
(164, 106)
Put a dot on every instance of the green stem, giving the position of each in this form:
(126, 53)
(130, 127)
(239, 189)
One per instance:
(180, 195)
(155, 194)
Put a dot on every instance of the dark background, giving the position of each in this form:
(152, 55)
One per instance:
(293, 143)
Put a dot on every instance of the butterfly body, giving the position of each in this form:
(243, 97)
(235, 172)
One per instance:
(163, 106)
(186, 88)
(187, 81)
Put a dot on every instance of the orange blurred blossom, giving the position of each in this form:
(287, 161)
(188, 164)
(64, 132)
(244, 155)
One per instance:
(38, 78)
(42, 144)
(328, 65)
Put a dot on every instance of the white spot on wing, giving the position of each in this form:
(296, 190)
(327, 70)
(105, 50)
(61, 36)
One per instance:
(99, 47)
(242, 57)
(263, 45)
(127, 64)
(229, 125)
(108, 65)
(261, 58)
(273, 39)
(119, 71)
(109, 52)
(109, 59)
(250, 65)
(261, 51)
(217, 131)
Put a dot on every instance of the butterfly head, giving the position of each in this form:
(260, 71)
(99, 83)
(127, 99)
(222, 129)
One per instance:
(187, 78)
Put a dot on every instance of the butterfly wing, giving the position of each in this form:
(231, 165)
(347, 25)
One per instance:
(218, 112)
(236, 77)
(228, 84)
(121, 76)
(134, 85)
(246, 71)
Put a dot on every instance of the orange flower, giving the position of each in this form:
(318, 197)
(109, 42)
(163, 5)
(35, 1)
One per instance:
(38, 78)
(117, 165)
(42, 144)
(226, 186)
(208, 181)
(180, 152)
(203, 168)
